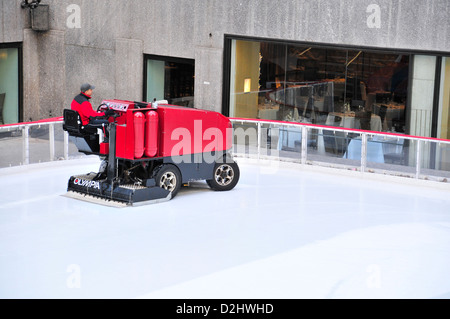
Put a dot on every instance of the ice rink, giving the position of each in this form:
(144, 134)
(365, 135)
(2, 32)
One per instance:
(285, 231)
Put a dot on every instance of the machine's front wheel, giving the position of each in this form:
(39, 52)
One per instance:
(169, 178)
(225, 176)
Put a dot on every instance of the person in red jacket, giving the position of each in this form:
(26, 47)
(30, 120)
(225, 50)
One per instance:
(82, 105)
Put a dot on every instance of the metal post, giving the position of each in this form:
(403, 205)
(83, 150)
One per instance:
(304, 144)
(112, 165)
(26, 145)
(66, 145)
(259, 139)
(52, 141)
(418, 156)
(363, 152)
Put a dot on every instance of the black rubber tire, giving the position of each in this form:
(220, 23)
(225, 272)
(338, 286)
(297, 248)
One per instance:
(168, 176)
(225, 176)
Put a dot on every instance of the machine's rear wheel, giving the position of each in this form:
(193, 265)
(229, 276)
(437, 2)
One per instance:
(169, 178)
(225, 176)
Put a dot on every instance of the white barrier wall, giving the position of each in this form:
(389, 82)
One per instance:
(357, 150)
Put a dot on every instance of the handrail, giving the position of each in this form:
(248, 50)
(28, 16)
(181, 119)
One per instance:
(336, 128)
(25, 127)
(35, 123)
(304, 128)
(363, 167)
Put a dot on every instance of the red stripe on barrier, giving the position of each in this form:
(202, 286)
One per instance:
(340, 128)
(49, 120)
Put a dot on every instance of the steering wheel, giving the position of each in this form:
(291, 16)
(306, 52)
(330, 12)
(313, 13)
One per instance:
(103, 104)
(114, 115)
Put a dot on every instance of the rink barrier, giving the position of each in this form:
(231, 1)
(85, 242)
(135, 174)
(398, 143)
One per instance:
(420, 166)
(25, 129)
(422, 153)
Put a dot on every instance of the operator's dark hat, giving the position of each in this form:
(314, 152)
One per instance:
(86, 86)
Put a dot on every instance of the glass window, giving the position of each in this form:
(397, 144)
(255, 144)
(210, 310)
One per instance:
(9, 86)
(170, 79)
(378, 83)
(315, 85)
(328, 86)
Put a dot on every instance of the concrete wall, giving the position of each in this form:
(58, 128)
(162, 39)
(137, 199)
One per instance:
(106, 44)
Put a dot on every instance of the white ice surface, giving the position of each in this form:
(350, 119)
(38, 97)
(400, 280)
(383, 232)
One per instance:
(285, 231)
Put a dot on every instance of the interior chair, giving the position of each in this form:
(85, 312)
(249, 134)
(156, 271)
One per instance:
(382, 113)
(309, 109)
(370, 103)
(335, 142)
(398, 125)
(313, 138)
(337, 120)
(342, 141)
(357, 105)
(376, 109)
(328, 104)
(399, 156)
(331, 139)
(364, 119)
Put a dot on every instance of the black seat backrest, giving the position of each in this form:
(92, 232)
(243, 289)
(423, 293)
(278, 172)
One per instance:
(72, 121)
(364, 119)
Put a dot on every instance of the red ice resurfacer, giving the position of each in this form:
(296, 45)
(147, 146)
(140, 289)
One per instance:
(149, 151)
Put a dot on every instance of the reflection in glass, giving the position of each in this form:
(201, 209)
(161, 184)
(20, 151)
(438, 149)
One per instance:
(353, 89)
(171, 80)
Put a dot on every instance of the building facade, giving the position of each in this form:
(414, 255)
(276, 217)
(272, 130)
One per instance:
(291, 60)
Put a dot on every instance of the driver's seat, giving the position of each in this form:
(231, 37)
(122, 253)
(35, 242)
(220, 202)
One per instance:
(85, 137)
(73, 124)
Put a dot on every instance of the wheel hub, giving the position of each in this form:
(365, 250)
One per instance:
(224, 175)
(168, 181)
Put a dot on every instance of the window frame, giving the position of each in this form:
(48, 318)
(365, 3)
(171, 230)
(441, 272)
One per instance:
(228, 39)
(19, 47)
(165, 59)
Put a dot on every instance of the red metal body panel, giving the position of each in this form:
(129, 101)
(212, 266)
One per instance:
(174, 131)
(124, 144)
(104, 148)
(191, 131)
(125, 136)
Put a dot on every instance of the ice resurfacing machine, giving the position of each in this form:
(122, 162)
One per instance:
(150, 151)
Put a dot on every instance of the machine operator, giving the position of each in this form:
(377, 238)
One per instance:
(83, 106)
